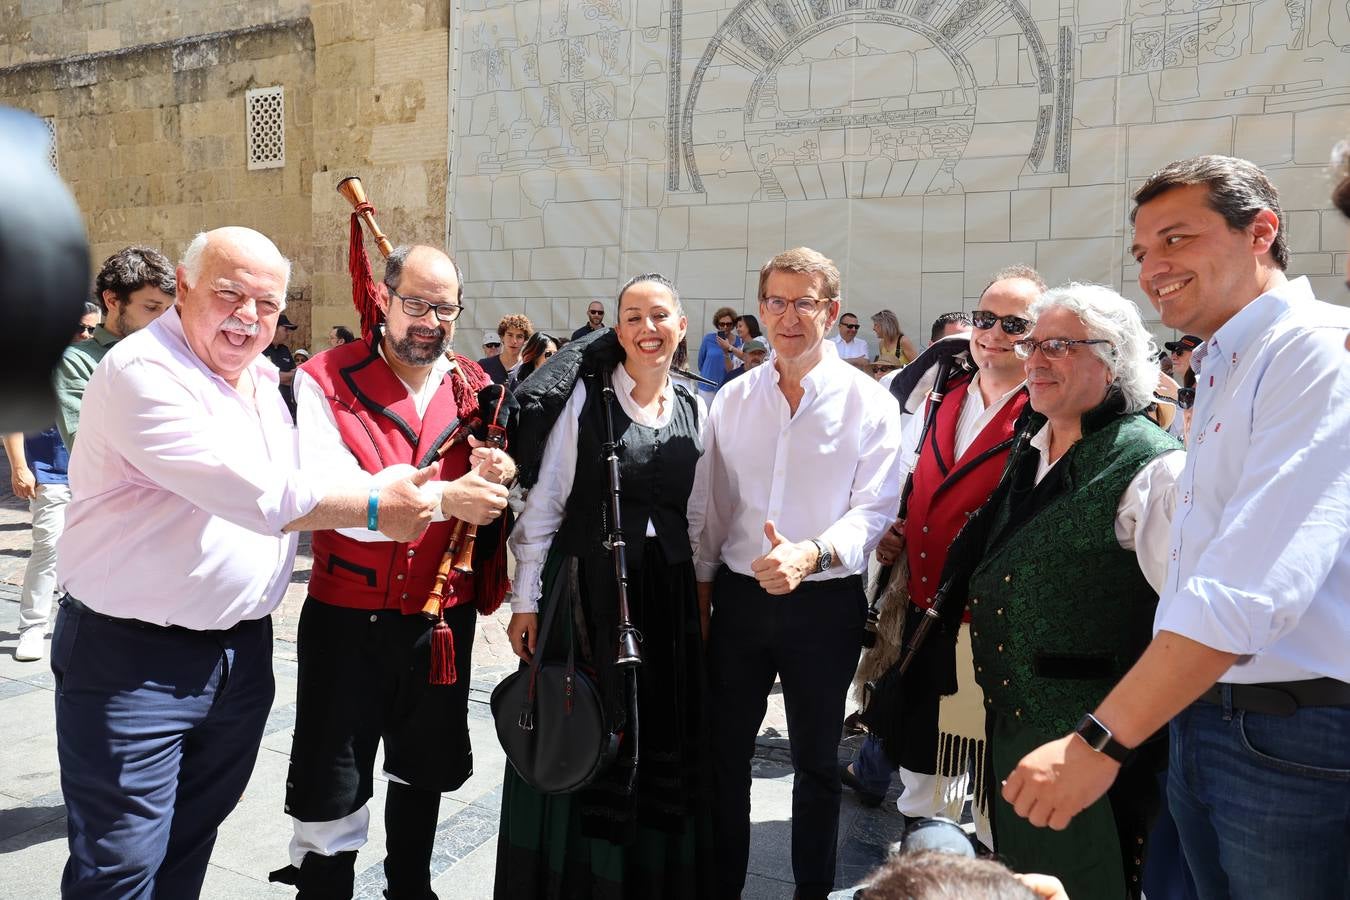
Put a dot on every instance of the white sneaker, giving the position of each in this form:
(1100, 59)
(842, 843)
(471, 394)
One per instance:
(32, 645)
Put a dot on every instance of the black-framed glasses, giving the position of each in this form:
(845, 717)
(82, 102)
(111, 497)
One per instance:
(805, 306)
(725, 324)
(595, 312)
(417, 307)
(1185, 398)
(983, 319)
(1179, 351)
(87, 329)
(853, 325)
(1051, 348)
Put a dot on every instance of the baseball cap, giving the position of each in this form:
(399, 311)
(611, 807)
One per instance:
(490, 338)
(755, 344)
(1184, 343)
(284, 322)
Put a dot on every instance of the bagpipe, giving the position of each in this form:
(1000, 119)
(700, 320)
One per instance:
(485, 409)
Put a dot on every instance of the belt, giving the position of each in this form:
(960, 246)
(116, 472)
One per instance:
(1280, 698)
(71, 603)
(847, 582)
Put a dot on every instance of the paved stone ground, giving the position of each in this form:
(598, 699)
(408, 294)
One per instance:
(253, 839)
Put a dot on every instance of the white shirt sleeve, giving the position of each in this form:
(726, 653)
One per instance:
(874, 497)
(1144, 516)
(324, 454)
(698, 495)
(713, 489)
(544, 506)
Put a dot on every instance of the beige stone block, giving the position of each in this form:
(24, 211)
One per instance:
(333, 22)
(349, 63)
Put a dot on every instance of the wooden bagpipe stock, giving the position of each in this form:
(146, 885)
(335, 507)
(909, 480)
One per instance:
(351, 188)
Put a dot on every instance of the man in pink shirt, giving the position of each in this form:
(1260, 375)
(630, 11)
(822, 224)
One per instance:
(179, 543)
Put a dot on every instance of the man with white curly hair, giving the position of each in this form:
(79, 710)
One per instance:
(1072, 550)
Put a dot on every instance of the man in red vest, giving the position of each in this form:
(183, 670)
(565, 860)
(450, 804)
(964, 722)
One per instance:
(381, 406)
(955, 470)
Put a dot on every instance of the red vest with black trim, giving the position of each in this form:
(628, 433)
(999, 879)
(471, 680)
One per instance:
(946, 491)
(379, 424)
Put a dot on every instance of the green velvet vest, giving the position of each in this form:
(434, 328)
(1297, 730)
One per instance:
(1059, 611)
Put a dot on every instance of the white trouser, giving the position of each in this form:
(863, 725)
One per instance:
(926, 796)
(332, 837)
(39, 579)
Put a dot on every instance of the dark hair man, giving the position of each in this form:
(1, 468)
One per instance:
(852, 348)
(595, 319)
(363, 640)
(514, 330)
(948, 324)
(179, 542)
(955, 469)
(134, 287)
(795, 504)
(279, 354)
(1248, 660)
(339, 335)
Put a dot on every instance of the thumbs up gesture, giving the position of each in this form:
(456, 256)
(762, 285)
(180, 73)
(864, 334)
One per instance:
(785, 565)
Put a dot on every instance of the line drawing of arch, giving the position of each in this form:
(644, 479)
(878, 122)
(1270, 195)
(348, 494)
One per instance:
(739, 25)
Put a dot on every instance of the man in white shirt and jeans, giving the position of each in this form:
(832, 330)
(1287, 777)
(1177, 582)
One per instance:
(1249, 659)
(795, 504)
(179, 543)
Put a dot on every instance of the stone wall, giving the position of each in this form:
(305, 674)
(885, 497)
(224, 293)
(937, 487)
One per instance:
(151, 139)
(381, 113)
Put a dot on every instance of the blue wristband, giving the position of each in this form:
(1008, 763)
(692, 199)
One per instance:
(373, 510)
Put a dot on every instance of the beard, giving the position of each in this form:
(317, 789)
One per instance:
(413, 353)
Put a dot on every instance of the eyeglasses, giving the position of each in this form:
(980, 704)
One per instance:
(417, 307)
(1180, 350)
(1185, 398)
(595, 312)
(1051, 348)
(727, 324)
(805, 306)
(983, 319)
(853, 325)
(87, 329)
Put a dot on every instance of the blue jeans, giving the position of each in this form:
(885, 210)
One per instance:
(157, 731)
(1262, 803)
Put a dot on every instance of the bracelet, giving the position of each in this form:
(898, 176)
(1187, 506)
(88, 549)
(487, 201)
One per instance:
(373, 510)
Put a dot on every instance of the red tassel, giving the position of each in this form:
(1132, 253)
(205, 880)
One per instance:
(490, 579)
(442, 654)
(363, 283)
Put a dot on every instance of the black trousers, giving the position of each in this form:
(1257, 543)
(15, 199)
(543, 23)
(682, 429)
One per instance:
(809, 639)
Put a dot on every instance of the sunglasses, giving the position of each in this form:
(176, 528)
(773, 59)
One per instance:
(984, 320)
(87, 329)
(853, 325)
(1185, 398)
(726, 324)
(1180, 350)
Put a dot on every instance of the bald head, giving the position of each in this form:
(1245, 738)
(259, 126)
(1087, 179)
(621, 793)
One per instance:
(427, 262)
(242, 246)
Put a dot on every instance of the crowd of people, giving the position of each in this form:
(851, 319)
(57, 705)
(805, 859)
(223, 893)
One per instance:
(1118, 634)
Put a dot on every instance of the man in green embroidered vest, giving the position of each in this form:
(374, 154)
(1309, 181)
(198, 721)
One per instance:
(1062, 599)
(133, 287)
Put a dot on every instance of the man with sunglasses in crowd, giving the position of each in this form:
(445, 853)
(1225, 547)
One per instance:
(852, 349)
(794, 505)
(955, 468)
(595, 320)
(375, 409)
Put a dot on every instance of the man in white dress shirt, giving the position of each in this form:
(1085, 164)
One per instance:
(851, 348)
(179, 543)
(794, 506)
(1248, 659)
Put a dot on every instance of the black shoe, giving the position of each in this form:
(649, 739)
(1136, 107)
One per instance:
(320, 877)
(865, 797)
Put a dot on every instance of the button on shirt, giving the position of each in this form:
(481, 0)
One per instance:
(181, 487)
(1260, 561)
(831, 471)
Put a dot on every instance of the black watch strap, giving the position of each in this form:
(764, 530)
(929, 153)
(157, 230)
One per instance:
(1099, 738)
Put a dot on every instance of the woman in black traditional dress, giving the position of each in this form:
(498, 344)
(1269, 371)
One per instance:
(605, 841)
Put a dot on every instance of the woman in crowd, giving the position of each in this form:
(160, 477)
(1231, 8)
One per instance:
(605, 841)
(539, 349)
(715, 362)
(891, 339)
(747, 329)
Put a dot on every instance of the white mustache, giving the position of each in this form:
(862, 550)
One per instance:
(235, 325)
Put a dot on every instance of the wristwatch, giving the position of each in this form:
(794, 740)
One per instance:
(826, 556)
(1099, 738)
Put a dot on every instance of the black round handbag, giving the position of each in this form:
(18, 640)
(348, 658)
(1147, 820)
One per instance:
(549, 716)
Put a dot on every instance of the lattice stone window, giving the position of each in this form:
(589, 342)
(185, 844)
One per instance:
(51, 144)
(266, 112)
